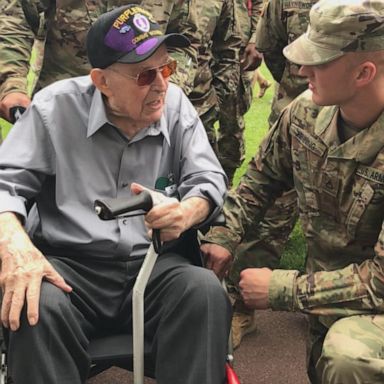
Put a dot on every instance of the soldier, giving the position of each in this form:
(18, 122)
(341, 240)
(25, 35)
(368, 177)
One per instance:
(219, 43)
(58, 32)
(232, 109)
(328, 146)
(281, 22)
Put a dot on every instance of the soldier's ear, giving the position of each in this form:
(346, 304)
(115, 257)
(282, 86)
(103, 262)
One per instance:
(366, 73)
(100, 80)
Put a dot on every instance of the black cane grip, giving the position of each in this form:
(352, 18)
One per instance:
(111, 208)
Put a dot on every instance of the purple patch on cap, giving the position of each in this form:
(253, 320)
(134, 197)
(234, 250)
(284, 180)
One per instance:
(120, 39)
(146, 46)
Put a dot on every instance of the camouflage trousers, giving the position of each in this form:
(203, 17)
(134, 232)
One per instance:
(351, 350)
(232, 126)
(208, 119)
(264, 244)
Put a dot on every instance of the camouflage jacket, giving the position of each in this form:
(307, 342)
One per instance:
(247, 21)
(281, 22)
(340, 189)
(220, 43)
(58, 29)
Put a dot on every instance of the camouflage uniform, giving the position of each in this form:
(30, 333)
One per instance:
(59, 30)
(220, 42)
(340, 189)
(281, 22)
(231, 110)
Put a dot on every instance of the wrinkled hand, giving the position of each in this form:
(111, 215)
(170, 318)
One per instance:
(23, 268)
(167, 214)
(217, 258)
(15, 99)
(251, 59)
(254, 287)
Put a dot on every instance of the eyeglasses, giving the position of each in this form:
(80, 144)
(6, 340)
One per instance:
(147, 76)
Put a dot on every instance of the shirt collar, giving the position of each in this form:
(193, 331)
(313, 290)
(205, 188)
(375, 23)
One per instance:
(97, 114)
(98, 118)
(360, 147)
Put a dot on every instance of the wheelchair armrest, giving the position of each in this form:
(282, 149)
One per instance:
(219, 220)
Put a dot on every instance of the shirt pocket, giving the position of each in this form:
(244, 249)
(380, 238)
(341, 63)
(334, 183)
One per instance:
(365, 216)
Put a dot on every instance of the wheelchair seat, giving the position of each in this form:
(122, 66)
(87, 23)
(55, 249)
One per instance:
(117, 351)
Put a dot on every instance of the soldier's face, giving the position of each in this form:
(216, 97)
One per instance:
(331, 83)
(141, 104)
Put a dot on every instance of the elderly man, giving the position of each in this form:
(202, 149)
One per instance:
(328, 146)
(71, 278)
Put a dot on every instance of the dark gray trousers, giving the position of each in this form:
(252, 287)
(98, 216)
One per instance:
(187, 320)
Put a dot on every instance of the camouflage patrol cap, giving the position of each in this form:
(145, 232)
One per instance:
(337, 27)
(128, 34)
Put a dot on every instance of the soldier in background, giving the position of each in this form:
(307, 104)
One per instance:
(57, 30)
(328, 145)
(231, 148)
(281, 22)
(220, 44)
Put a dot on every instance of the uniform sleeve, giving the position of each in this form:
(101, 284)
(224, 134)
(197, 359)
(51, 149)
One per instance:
(16, 40)
(271, 37)
(255, 12)
(183, 19)
(22, 23)
(355, 289)
(268, 175)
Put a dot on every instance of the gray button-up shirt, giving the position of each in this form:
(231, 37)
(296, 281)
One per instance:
(64, 153)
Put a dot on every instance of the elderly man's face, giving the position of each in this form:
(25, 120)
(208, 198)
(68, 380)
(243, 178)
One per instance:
(140, 104)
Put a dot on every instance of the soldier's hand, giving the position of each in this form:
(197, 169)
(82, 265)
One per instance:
(23, 268)
(217, 258)
(254, 287)
(11, 100)
(251, 59)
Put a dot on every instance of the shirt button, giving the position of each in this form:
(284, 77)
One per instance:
(125, 222)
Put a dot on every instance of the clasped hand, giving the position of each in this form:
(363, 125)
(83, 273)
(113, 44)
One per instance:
(254, 287)
(167, 214)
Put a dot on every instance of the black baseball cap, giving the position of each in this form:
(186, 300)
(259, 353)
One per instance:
(128, 34)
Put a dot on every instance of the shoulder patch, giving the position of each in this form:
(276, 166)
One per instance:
(310, 142)
(371, 174)
(297, 4)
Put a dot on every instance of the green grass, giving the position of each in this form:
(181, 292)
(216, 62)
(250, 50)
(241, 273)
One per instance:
(256, 128)
(4, 128)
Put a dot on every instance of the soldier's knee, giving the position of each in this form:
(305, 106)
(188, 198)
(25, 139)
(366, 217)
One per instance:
(344, 358)
(336, 368)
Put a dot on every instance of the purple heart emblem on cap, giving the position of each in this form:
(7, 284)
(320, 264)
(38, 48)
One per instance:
(122, 42)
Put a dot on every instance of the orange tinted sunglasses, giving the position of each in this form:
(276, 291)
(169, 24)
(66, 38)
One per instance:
(147, 76)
